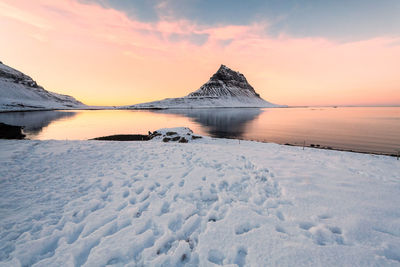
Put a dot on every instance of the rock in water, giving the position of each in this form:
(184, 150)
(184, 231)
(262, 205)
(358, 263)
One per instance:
(226, 88)
(10, 132)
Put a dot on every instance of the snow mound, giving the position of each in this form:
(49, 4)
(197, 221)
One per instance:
(179, 134)
(20, 92)
(226, 88)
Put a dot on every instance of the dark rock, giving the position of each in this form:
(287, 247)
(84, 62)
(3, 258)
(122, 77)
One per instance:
(171, 133)
(166, 139)
(176, 138)
(124, 137)
(196, 137)
(154, 134)
(183, 140)
(10, 132)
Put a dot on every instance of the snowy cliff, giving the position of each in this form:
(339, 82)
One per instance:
(226, 88)
(20, 92)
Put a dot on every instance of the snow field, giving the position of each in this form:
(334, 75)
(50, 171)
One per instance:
(209, 202)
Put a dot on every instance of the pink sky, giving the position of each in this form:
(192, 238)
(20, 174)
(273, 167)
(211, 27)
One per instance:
(102, 57)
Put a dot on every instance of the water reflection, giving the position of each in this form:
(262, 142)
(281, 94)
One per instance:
(221, 122)
(359, 129)
(34, 121)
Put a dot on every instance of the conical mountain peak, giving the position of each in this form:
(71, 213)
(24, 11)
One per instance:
(226, 82)
(226, 88)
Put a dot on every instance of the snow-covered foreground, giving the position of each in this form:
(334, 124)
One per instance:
(92, 203)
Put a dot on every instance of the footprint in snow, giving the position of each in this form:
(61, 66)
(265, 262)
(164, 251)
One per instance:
(164, 208)
(132, 200)
(323, 235)
(280, 216)
(241, 254)
(280, 229)
(245, 227)
(306, 225)
(324, 216)
(139, 190)
(176, 223)
(215, 256)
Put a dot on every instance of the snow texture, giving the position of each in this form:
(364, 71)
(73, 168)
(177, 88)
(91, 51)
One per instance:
(19, 92)
(209, 202)
(226, 88)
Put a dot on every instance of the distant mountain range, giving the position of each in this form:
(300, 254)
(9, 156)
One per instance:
(226, 88)
(19, 92)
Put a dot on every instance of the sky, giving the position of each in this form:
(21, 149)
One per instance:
(122, 52)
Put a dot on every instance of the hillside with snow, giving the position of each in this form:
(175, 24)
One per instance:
(19, 92)
(226, 88)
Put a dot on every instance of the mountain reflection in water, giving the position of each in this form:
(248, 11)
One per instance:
(220, 122)
(365, 129)
(34, 121)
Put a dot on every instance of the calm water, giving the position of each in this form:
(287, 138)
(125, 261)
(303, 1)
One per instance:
(358, 129)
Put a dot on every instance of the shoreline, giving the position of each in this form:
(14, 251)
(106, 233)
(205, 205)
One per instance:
(183, 108)
(343, 150)
(141, 137)
(12, 132)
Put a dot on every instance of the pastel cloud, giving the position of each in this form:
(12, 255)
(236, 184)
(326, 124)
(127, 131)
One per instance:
(103, 57)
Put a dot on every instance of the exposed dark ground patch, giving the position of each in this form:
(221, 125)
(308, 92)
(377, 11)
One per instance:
(11, 131)
(124, 137)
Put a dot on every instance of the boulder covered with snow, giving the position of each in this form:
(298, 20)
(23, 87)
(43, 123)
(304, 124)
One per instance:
(226, 88)
(20, 92)
(179, 134)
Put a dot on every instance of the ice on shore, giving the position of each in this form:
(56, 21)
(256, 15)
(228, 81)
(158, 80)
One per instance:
(203, 203)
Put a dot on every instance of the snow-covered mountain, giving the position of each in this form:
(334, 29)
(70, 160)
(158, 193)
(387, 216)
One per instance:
(226, 88)
(20, 92)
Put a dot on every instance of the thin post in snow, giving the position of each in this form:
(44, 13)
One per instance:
(304, 144)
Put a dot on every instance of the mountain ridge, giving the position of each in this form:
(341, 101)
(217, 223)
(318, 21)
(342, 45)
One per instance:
(19, 92)
(225, 88)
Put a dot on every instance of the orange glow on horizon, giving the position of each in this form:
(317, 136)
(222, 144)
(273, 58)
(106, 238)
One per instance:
(102, 57)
